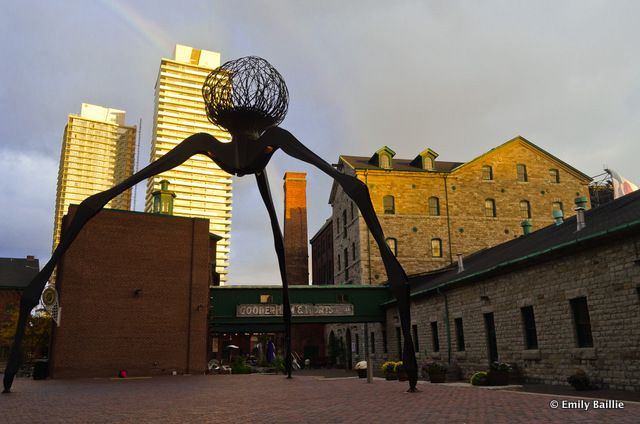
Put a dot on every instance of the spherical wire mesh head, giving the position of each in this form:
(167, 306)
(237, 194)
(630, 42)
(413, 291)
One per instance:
(245, 95)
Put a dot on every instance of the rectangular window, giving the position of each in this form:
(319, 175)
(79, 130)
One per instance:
(346, 265)
(581, 321)
(487, 173)
(434, 336)
(372, 343)
(490, 208)
(529, 324)
(353, 251)
(416, 346)
(344, 223)
(522, 173)
(459, 334)
(384, 341)
(388, 204)
(357, 344)
(436, 248)
(554, 176)
(434, 206)
(399, 338)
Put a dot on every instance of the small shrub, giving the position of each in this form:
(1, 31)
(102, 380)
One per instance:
(239, 366)
(479, 379)
(500, 366)
(399, 367)
(388, 366)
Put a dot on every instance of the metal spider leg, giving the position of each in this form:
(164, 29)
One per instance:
(359, 193)
(197, 143)
(265, 192)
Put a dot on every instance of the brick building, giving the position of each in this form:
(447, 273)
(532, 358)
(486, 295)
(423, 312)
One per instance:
(134, 293)
(15, 275)
(322, 255)
(432, 210)
(295, 228)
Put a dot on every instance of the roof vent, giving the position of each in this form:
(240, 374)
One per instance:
(526, 226)
(558, 216)
(460, 263)
(581, 203)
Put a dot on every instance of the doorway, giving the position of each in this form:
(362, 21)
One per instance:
(492, 343)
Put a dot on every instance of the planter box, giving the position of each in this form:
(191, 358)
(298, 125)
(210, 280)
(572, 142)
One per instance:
(438, 377)
(402, 376)
(362, 373)
(390, 375)
(498, 378)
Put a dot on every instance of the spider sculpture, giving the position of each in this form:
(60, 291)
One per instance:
(248, 98)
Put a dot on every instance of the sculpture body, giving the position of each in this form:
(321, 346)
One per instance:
(249, 98)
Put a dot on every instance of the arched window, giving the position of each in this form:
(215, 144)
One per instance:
(393, 245)
(525, 209)
(436, 248)
(389, 205)
(344, 223)
(522, 172)
(487, 173)
(385, 161)
(557, 206)
(434, 206)
(490, 208)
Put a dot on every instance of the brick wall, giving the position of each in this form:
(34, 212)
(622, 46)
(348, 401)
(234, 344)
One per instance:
(134, 295)
(606, 274)
(295, 228)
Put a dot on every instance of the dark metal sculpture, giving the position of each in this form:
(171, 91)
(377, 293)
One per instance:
(249, 98)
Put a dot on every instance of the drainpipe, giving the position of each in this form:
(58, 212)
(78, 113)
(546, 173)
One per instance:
(446, 201)
(446, 323)
(366, 182)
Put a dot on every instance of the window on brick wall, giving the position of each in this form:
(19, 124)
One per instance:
(385, 161)
(554, 176)
(487, 173)
(346, 265)
(525, 209)
(344, 223)
(353, 251)
(459, 334)
(339, 263)
(490, 208)
(416, 342)
(557, 206)
(399, 339)
(581, 321)
(352, 211)
(521, 171)
(372, 343)
(266, 298)
(388, 202)
(529, 324)
(434, 206)
(393, 245)
(384, 341)
(436, 248)
(357, 344)
(434, 336)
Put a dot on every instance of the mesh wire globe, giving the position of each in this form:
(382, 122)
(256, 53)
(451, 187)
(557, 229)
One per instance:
(245, 95)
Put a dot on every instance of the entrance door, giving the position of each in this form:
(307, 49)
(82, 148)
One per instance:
(349, 350)
(492, 344)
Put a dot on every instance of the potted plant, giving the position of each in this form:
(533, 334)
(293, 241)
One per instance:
(437, 372)
(388, 368)
(479, 379)
(361, 368)
(499, 374)
(401, 372)
(579, 380)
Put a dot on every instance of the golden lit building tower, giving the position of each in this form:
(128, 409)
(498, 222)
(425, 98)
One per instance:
(98, 152)
(202, 189)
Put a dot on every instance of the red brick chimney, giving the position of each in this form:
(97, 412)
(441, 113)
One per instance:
(296, 240)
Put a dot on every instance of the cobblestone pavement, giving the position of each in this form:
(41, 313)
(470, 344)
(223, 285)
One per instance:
(273, 399)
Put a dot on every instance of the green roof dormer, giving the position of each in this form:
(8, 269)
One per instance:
(383, 158)
(425, 160)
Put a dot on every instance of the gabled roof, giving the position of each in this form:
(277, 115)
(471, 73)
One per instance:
(362, 162)
(527, 143)
(613, 218)
(17, 272)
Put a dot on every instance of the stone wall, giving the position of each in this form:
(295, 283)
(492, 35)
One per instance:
(606, 274)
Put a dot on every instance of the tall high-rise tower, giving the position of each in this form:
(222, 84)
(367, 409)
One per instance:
(202, 189)
(98, 152)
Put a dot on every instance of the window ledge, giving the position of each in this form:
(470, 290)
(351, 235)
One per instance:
(435, 355)
(461, 355)
(531, 354)
(584, 353)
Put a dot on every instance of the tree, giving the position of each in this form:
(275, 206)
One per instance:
(37, 332)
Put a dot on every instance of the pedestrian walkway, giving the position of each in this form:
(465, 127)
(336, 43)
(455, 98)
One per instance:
(259, 398)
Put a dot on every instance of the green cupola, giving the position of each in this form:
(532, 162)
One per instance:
(163, 199)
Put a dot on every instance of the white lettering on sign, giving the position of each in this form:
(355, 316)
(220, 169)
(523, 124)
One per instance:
(297, 309)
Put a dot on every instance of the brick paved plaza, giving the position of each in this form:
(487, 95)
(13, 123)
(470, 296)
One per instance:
(272, 399)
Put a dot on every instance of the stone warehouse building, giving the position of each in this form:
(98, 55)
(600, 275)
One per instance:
(549, 302)
(432, 210)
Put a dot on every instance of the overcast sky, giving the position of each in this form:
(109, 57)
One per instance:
(460, 77)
